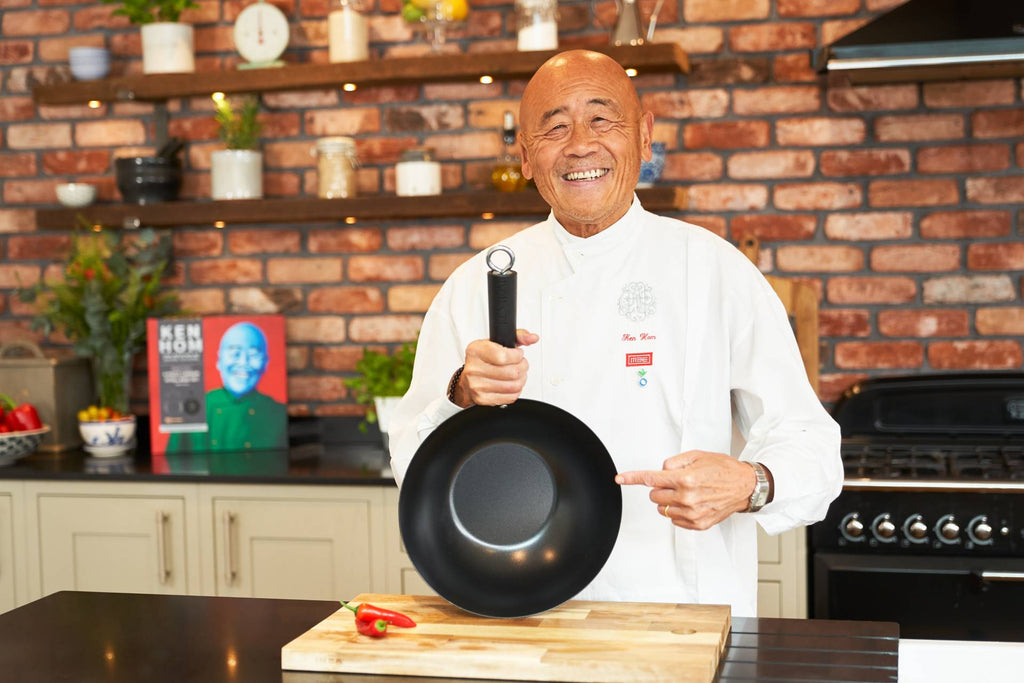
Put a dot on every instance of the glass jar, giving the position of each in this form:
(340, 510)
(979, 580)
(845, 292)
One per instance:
(536, 25)
(347, 32)
(417, 173)
(336, 167)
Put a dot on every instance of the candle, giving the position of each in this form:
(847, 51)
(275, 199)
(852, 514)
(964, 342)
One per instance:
(348, 35)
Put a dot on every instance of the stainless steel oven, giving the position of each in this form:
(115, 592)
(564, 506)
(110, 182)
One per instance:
(929, 529)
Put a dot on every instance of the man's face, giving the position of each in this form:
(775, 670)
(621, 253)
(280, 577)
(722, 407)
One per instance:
(242, 358)
(584, 136)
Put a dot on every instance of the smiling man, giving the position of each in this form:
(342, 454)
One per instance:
(660, 336)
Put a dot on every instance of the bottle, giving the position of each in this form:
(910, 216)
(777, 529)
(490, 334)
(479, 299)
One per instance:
(347, 32)
(336, 167)
(507, 175)
(417, 173)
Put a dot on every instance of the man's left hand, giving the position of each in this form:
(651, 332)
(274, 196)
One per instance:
(696, 489)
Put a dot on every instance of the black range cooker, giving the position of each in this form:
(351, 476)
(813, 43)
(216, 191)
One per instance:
(929, 528)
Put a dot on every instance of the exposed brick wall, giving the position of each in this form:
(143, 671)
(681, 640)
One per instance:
(900, 203)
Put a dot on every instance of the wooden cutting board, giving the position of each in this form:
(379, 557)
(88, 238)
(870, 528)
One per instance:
(578, 641)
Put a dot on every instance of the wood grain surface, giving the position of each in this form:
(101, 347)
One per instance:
(578, 641)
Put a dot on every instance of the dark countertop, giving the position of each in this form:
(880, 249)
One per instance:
(321, 451)
(87, 637)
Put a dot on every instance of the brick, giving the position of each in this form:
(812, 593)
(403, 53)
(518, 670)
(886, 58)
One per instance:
(998, 123)
(727, 135)
(385, 328)
(772, 37)
(17, 165)
(264, 241)
(344, 240)
(872, 98)
(816, 259)
(913, 192)
(820, 131)
(37, 247)
(687, 104)
(771, 164)
(351, 121)
(281, 184)
(919, 127)
(15, 108)
(36, 23)
(712, 11)
(782, 99)
(994, 256)
(39, 136)
(425, 237)
(816, 8)
(30, 191)
(774, 227)
(411, 298)
(431, 117)
(936, 322)
(728, 197)
(303, 99)
(834, 322)
(193, 243)
(969, 94)
(13, 276)
(692, 166)
(303, 270)
(964, 289)
(440, 266)
(832, 385)
(16, 52)
(76, 162)
(878, 5)
(975, 355)
(871, 290)
(715, 224)
(202, 301)
(881, 355)
(385, 268)
(1005, 320)
(963, 159)
(465, 145)
(17, 220)
(296, 359)
(99, 18)
(346, 300)
(727, 71)
(265, 299)
(226, 271)
(1005, 190)
(337, 358)
(915, 258)
(17, 329)
(108, 133)
(862, 162)
(457, 91)
(693, 39)
(811, 196)
(877, 225)
(484, 234)
(965, 224)
(316, 388)
(324, 329)
(793, 68)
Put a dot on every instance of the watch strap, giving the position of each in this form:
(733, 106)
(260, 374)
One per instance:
(762, 488)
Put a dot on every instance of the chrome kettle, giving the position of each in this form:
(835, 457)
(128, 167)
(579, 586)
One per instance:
(627, 29)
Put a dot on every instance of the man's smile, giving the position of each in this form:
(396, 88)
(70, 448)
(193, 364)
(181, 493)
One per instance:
(589, 174)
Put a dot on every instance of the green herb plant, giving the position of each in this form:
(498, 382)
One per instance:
(381, 375)
(239, 129)
(141, 12)
(109, 288)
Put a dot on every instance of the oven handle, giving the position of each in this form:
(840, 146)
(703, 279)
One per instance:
(1001, 576)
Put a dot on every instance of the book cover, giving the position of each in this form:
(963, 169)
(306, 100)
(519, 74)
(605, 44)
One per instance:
(217, 383)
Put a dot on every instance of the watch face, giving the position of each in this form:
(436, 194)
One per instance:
(261, 32)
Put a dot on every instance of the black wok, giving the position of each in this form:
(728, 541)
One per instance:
(509, 511)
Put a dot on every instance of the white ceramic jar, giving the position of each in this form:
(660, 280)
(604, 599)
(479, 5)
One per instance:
(417, 173)
(347, 32)
(336, 167)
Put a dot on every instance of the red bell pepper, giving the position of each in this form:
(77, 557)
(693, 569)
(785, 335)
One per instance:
(375, 628)
(367, 612)
(20, 418)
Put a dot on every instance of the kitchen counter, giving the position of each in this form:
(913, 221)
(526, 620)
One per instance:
(89, 637)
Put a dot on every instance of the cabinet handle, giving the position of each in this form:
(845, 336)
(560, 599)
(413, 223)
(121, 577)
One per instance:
(228, 521)
(1002, 576)
(163, 570)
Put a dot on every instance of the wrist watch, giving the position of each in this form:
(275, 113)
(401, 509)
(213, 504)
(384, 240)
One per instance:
(759, 496)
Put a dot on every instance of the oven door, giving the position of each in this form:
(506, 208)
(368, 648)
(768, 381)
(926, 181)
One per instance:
(953, 598)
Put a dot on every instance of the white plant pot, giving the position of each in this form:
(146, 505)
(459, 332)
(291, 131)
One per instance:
(236, 174)
(167, 47)
(385, 407)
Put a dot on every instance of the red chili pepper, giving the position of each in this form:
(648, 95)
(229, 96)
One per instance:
(20, 417)
(377, 628)
(367, 612)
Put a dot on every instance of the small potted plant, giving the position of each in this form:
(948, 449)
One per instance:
(381, 382)
(109, 288)
(167, 44)
(237, 172)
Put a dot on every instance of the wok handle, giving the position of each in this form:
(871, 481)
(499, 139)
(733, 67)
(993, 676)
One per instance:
(501, 306)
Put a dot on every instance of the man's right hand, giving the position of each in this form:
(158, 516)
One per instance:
(494, 375)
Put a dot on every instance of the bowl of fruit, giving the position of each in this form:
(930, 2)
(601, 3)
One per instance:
(435, 17)
(106, 432)
(21, 430)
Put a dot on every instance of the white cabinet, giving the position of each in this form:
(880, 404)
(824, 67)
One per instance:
(123, 537)
(782, 574)
(299, 542)
(402, 577)
(13, 589)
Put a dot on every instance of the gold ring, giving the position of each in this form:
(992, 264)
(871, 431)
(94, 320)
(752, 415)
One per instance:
(665, 511)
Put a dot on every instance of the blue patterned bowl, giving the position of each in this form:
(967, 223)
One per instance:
(650, 171)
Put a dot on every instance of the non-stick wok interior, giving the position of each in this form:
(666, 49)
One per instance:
(510, 511)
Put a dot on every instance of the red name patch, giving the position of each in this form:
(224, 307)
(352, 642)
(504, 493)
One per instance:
(634, 360)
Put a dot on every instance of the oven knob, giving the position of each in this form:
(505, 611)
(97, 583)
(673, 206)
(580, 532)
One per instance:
(949, 530)
(980, 530)
(852, 527)
(885, 530)
(915, 529)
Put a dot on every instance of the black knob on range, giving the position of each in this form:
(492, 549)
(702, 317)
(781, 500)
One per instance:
(980, 530)
(884, 529)
(948, 530)
(852, 527)
(915, 529)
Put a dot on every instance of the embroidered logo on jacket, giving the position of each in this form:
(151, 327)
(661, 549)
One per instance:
(636, 301)
(634, 360)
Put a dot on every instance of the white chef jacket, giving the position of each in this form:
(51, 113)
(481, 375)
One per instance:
(662, 338)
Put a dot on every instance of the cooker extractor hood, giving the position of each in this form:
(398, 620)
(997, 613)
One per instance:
(931, 40)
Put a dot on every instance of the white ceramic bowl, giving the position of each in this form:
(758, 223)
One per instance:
(108, 438)
(14, 445)
(89, 63)
(76, 194)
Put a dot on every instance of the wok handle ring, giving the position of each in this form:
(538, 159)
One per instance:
(501, 300)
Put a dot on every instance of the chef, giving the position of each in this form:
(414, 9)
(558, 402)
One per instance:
(660, 336)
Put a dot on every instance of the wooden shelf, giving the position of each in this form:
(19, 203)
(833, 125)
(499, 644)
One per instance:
(649, 58)
(312, 210)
